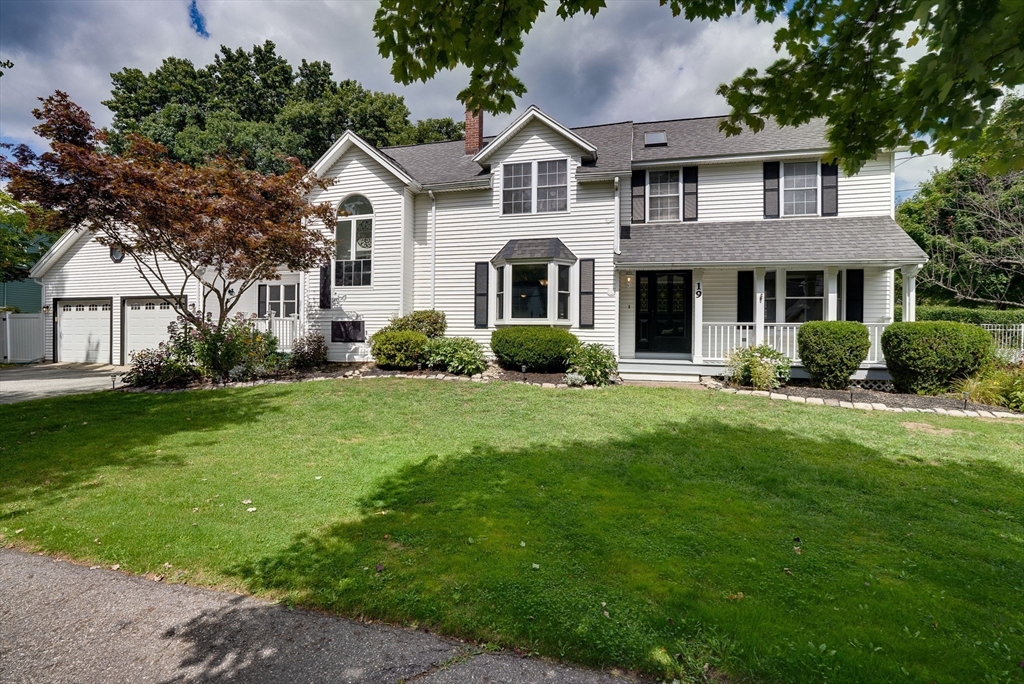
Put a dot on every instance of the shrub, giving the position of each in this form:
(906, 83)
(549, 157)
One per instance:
(761, 367)
(963, 314)
(927, 357)
(594, 362)
(537, 347)
(9, 308)
(397, 348)
(995, 386)
(575, 379)
(158, 368)
(459, 355)
(831, 351)
(430, 322)
(238, 350)
(309, 351)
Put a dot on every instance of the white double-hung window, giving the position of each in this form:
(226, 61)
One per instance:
(800, 188)
(664, 196)
(535, 187)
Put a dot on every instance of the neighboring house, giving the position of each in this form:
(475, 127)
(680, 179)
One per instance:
(667, 242)
(25, 295)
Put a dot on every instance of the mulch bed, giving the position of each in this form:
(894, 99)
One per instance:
(891, 399)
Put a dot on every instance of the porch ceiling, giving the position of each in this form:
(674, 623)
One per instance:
(865, 240)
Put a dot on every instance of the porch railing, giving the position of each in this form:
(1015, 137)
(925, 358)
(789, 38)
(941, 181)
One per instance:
(285, 329)
(721, 339)
(1007, 337)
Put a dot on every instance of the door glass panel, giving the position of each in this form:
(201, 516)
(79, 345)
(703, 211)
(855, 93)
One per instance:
(643, 295)
(662, 293)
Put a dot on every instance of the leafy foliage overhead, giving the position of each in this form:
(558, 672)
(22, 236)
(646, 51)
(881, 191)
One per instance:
(971, 223)
(20, 244)
(845, 61)
(219, 226)
(255, 105)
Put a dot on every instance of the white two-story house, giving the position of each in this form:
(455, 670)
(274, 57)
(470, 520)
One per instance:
(667, 242)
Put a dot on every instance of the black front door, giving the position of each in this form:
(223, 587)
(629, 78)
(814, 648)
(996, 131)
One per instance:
(664, 308)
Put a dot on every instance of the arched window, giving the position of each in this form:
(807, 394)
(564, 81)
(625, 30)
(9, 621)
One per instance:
(353, 242)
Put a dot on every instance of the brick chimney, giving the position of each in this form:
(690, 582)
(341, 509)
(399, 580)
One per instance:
(474, 131)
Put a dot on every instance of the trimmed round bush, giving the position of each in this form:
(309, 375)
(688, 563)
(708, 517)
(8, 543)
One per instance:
(459, 355)
(398, 348)
(927, 357)
(831, 351)
(430, 322)
(537, 347)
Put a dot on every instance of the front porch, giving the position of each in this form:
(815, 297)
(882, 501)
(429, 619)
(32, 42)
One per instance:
(683, 323)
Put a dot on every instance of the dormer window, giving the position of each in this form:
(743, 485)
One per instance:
(551, 180)
(655, 139)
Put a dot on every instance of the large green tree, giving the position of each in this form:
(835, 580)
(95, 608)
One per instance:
(21, 242)
(844, 60)
(971, 223)
(254, 105)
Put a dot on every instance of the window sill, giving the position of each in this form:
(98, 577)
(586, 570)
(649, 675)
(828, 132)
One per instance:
(537, 213)
(534, 321)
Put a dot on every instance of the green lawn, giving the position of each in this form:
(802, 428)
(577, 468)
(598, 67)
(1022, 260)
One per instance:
(610, 527)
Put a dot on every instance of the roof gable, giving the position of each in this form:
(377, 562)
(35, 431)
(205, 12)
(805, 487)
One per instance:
(349, 140)
(59, 248)
(532, 114)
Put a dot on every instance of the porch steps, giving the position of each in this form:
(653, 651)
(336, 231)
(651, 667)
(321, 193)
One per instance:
(662, 370)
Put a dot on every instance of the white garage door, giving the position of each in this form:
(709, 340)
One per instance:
(145, 324)
(83, 332)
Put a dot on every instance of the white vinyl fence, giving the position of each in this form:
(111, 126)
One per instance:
(21, 337)
(1009, 338)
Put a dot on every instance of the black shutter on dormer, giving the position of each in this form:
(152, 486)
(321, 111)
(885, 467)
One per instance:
(639, 196)
(771, 189)
(690, 193)
(829, 189)
(482, 277)
(325, 286)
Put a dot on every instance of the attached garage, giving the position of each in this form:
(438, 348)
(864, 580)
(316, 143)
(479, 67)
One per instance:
(83, 330)
(145, 324)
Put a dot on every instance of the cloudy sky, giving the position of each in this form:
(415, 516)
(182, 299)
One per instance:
(633, 62)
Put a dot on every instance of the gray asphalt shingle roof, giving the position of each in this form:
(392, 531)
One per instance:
(618, 146)
(823, 240)
(689, 138)
(537, 248)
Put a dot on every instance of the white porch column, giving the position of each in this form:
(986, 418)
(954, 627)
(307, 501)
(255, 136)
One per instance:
(910, 272)
(698, 315)
(759, 306)
(832, 293)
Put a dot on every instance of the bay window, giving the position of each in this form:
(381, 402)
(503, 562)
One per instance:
(533, 292)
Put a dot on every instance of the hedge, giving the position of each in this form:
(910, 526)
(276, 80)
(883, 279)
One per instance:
(962, 314)
(831, 351)
(430, 322)
(539, 348)
(927, 357)
(397, 348)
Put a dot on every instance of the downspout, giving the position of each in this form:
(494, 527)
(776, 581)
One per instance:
(615, 272)
(433, 247)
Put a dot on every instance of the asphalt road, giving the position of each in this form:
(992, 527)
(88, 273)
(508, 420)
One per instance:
(38, 380)
(61, 622)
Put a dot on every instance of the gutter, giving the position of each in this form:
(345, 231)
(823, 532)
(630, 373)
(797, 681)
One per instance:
(475, 184)
(882, 263)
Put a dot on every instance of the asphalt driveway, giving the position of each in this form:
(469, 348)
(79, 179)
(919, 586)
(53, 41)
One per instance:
(39, 380)
(61, 622)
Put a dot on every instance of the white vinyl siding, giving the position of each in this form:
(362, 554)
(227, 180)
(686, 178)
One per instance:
(870, 192)
(730, 192)
(471, 228)
(357, 173)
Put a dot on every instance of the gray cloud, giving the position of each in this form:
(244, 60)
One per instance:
(633, 61)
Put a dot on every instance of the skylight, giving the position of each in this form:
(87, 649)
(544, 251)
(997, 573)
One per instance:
(655, 138)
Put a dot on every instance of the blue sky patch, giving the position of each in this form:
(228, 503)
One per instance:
(197, 20)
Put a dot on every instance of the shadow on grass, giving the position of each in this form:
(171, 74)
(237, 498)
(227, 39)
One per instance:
(853, 566)
(53, 445)
(243, 642)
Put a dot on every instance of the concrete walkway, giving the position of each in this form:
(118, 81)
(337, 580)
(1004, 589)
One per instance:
(40, 380)
(61, 622)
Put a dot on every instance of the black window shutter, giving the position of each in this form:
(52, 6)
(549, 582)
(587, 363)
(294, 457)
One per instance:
(261, 307)
(855, 294)
(745, 297)
(829, 189)
(586, 293)
(771, 189)
(624, 232)
(325, 286)
(483, 272)
(690, 193)
(348, 331)
(639, 196)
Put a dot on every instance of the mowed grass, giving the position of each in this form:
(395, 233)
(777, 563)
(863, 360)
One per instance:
(615, 527)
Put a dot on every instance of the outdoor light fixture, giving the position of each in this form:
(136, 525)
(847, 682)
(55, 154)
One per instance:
(113, 380)
(629, 279)
(524, 372)
(46, 309)
(967, 395)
